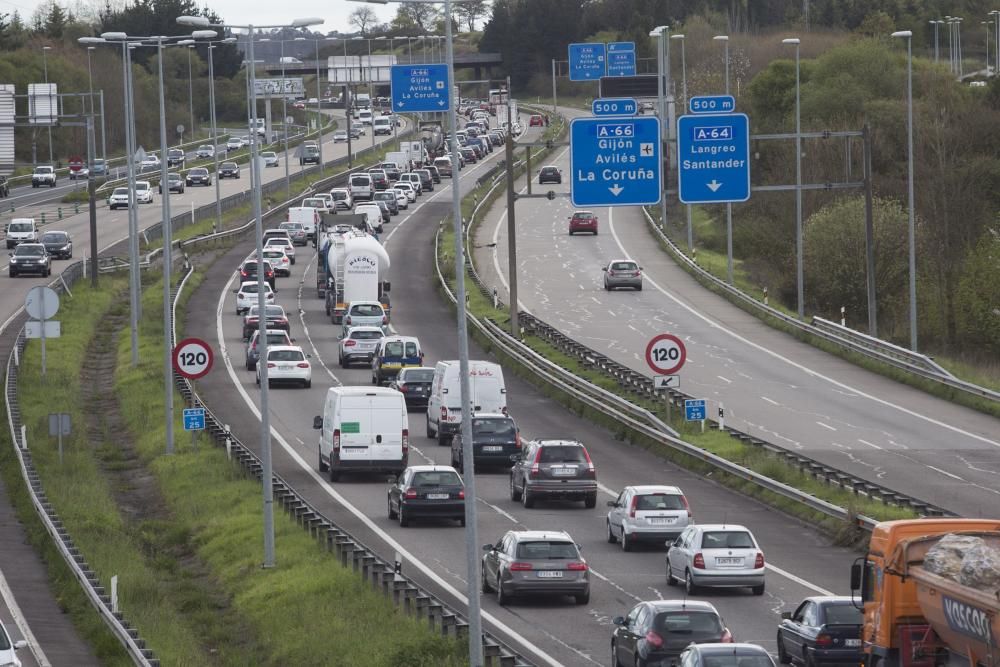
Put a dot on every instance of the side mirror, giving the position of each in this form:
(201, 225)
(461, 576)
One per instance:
(317, 422)
(786, 615)
(604, 268)
(612, 503)
(855, 576)
(618, 620)
(292, 339)
(236, 291)
(391, 479)
(19, 644)
(488, 547)
(309, 356)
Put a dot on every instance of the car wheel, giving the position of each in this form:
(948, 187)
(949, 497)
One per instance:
(670, 577)
(590, 502)
(689, 585)
(639, 288)
(606, 288)
(322, 466)
(783, 656)
(502, 598)
(515, 495)
(307, 384)
(404, 520)
(758, 590)
(333, 475)
(584, 598)
(443, 440)
(341, 362)
(392, 514)
(454, 460)
(12, 274)
(374, 380)
(484, 583)
(249, 366)
(429, 433)
(611, 536)
(626, 542)
(258, 380)
(807, 659)
(527, 498)
(461, 522)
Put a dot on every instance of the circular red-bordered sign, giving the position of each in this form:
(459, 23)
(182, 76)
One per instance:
(193, 358)
(666, 354)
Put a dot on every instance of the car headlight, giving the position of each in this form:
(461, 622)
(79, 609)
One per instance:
(13, 260)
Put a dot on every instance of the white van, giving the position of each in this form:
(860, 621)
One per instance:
(373, 213)
(382, 125)
(361, 187)
(21, 230)
(487, 391)
(308, 216)
(365, 116)
(362, 429)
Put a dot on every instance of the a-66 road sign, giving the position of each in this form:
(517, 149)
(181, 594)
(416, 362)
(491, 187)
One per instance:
(666, 354)
(193, 358)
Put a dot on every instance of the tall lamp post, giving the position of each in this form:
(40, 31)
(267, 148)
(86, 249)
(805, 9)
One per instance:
(729, 207)
(684, 90)
(799, 281)
(987, 24)
(190, 47)
(265, 423)
(661, 93)
(211, 113)
(995, 17)
(911, 230)
(937, 47)
(45, 66)
(319, 96)
(284, 113)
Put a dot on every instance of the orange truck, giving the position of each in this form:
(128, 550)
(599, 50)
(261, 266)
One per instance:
(915, 618)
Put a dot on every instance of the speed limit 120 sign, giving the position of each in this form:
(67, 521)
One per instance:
(193, 358)
(665, 354)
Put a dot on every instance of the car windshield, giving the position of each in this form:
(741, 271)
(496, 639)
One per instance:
(583, 214)
(493, 426)
(728, 539)
(365, 335)
(546, 549)
(843, 614)
(294, 226)
(416, 375)
(658, 501)
(19, 227)
(251, 288)
(624, 266)
(43, 170)
(436, 478)
(338, 195)
(367, 310)
(55, 237)
(141, 185)
(273, 254)
(730, 660)
(228, 165)
(562, 454)
(198, 172)
(313, 203)
(268, 154)
(277, 339)
(30, 250)
(278, 240)
(360, 180)
(121, 192)
(274, 311)
(687, 622)
(285, 355)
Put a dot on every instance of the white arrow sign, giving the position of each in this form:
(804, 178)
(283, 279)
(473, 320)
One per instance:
(714, 185)
(617, 190)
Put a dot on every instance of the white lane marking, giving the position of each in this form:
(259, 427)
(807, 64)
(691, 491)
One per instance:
(870, 444)
(772, 402)
(799, 580)
(726, 380)
(305, 328)
(614, 585)
(499, 510)
(346, 504)
(22, 624)
(794, 364)
(826, 426)
(945, 472)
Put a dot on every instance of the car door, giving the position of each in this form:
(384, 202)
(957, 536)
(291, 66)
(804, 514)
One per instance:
(677, 556)
(517, 470)
(617, 512)
(396, 490)
(625, 647)
(792, 629)
(493, 559)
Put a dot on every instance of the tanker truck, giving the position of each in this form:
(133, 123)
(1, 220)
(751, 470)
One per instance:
(353, 267)
(930, 593)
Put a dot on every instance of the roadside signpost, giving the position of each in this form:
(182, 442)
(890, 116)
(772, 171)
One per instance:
(712, 104)
(614, 106)
(587, 61)
(193, 358)
(420, 88)
(713, 158)
(615, 161)
(194, 419)
(621, 59)
(666, 381)
(666, 354)
(694, 410)
(42, 303)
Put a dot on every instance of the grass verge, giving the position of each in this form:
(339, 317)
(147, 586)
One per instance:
(189, 575)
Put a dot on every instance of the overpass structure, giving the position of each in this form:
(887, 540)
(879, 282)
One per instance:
(356, 66)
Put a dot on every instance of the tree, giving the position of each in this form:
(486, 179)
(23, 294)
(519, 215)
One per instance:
(979, 294)
(420, 15)
(471, 11)
(363, 18)
(55, 22)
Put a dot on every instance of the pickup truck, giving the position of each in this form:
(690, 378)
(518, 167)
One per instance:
(43, 176)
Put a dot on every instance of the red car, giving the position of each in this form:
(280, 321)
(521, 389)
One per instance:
(583, 221)
(536, 121)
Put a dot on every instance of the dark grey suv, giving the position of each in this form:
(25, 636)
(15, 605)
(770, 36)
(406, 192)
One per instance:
(495, 441)
(535, 562)
(554, 469)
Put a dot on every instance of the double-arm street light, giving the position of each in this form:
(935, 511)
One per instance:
(284, 112)
(265, 423)
(319, 96)
(729, 207)
(799, 285)
(45, 66)
(995, 17)
(211, 113)
(911, 230)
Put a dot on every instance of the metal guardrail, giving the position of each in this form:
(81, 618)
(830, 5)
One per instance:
(126, 634)
(889, 349)
(871, 347)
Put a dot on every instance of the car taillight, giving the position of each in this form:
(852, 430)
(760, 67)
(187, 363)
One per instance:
(591, 473)
(384, 320)
(758, 562)
(632, 506)
(503, 410)
(824, 641)
(520, 567)
(444, 414)
(349, 343)
(611, 272)
(534, 472)
(411, 493)
(517, 440)
(461, 494)
(637, 273)
(653, 639)
(347, 320)
(406, 441)
(699, 562)
(577, 567)
(336, 439)
(271, 364)
(727, 637)
(687, 507)
(402, 388)
(302, 364)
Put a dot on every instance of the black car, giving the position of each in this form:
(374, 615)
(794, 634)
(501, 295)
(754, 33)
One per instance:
(248, 272)
(655, 632)
(435, 174)
(725, 655)
(309, 154)
(823, 629)
(469, 155)
(59, 245)
(389, 199)
(174, 184)
(229, 170)
(276, 320)
(427, 491)
(198, 176)
(175, 157)
(414, 384)
(549, 174)
(495, 441)
(383, 208)
(29, 258)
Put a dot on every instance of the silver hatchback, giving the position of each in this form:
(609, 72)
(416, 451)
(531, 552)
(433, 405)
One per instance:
(535, 562)
(651, 513)
(717, 556)
(622, 273)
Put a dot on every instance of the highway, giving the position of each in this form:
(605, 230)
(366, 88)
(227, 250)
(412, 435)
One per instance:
(551, 632)
(772, 386)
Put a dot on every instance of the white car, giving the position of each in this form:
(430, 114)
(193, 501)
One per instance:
(402, 200)
(342, 198)
(282, 243)
(234, 144)
(118, 199)
(331, 205)
(359, 344)
(651, 513)
(245, 140)
(407, 189)
(205, 151)
(9, 648)
(149, 163)
(321, 204)
(287, 363)
(716, 556)
(270, 158)
(143, 192)
(246, 296)
(339, 136)
(279, 260)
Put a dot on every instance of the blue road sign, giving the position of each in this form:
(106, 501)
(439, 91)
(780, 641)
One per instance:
(694, 409)
(712, 104)
(615, 161)
(194, 419)
(420, 88)
(621, 59)
(586, 61)
(614, 106)
(713, 158)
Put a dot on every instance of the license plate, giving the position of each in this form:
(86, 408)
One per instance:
(729, 561)
(437, 496)
(550, 574)
(852, 642)
(286, 367)
(492, 448)
(660, 520)
(563, 472)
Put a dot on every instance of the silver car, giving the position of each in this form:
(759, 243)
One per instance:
(554, 469)
(622, 273)
(359, 344)
(650, 513)
(535, 562)
(716, 555)
(365, 314)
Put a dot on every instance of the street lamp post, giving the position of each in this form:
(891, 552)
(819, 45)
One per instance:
(729, 207)
(995, 17)
(799, 280)
(190, 90)
(265, 423)
(909, 160)
(284, 116)
(45, 66)
(986, 25)
(937, 50)
(684, 90)
(211, 113)
(662, 90)
(319, 98)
